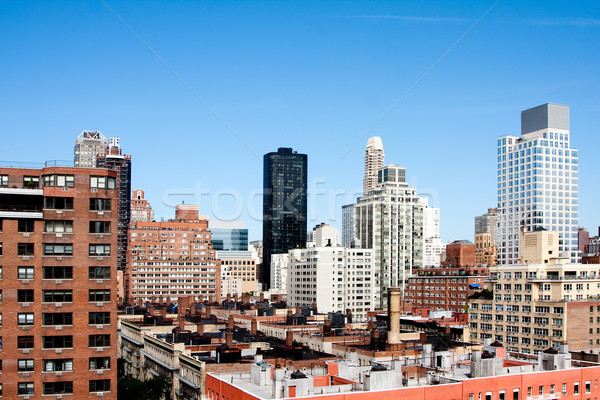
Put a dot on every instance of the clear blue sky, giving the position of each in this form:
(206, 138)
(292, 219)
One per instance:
(314, 76)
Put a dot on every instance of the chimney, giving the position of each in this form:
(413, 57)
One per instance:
(153, 299)
(229, 338)
(208, 311)
(163, 312)
(279, 298)
(289, 338)
(182, 323)
(290, 312)
(394, 307)
(314, 307)
(254, 327)
(200, 328)
(374, 339)
(235, 297)
(262, 297)
(298, 310)
(141, 302)
(228, 297)
(230, 322)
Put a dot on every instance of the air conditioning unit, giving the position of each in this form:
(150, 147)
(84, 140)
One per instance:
(57, 305)
(65, 189)
(59, 281)
(94, 190)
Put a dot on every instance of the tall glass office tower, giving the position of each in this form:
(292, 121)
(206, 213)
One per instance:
(538, 182)
(284, 205)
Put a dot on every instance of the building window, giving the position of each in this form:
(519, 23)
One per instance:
(588, 386)
(58, 226)
(100, 385)
(25, 342)
(25, 273)
(102, 182)
(99, 295)
(576, 388)
(25, 225)
(57, 342)
(58, 203)
(55, 249)
(25, 365)
(57, 296)
(25, 296)
(99, 341)
(100, 363)
(25, 319)
(99, 250)
(99, 204)
(59, 180)
(58, 387)
(31, 182)
(25, 249)
(53, 319)
(58, 365)
(3, 180)
(99, 272)
(99, 226)
(99, 318)
(57, 272)
(25, 388)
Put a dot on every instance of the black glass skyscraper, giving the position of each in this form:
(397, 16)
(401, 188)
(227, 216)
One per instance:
(284, 205)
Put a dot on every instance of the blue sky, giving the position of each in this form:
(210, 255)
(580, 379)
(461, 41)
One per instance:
(314, 76)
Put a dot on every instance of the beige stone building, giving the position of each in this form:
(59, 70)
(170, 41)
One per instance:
(486, 252)
(540, 247)
(537, 306)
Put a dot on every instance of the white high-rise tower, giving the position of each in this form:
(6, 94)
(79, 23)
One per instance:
(538, 182)
(374, 161)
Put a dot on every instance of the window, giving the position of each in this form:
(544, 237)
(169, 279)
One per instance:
(64, 364)
(99, 250)
(99, 272)
(502, 395)
(31, 182)
(25, 249)
(57, 296)
(516, 394)
(100, 363)
(100, 385)
(25, 273)
(25, 365)
(99, 226)
(576, 388)
(58, 387)
(59, 180)
(25, 296)
(99, 295)
(25, 225)
(98, 318)
(25, 388)
(588, 386)
(99, 204)
(57, 318)
(58, 226)
(102, 182)
(58, 203)
(57, 342)
(25, 342)
(25, 319)
(564, 389)
(99, 340)
(57, 272)
(3, 180)
(56, 249)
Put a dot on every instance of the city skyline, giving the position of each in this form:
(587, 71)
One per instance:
(362, 57)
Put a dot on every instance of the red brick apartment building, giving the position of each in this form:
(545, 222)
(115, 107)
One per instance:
(444, 288)
(58, 325)
(173, 259)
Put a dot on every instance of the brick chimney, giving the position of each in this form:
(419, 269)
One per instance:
(394, 307)
(235, 297)
(289, 338)
(228, 297)
(163, 312)
(208, 311)
(181, 323)
(229, 338)
(262, 297)
(230, 322)
(200, 328)
(254, 327)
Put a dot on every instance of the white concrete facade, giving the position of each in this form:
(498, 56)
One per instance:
(335, 278)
